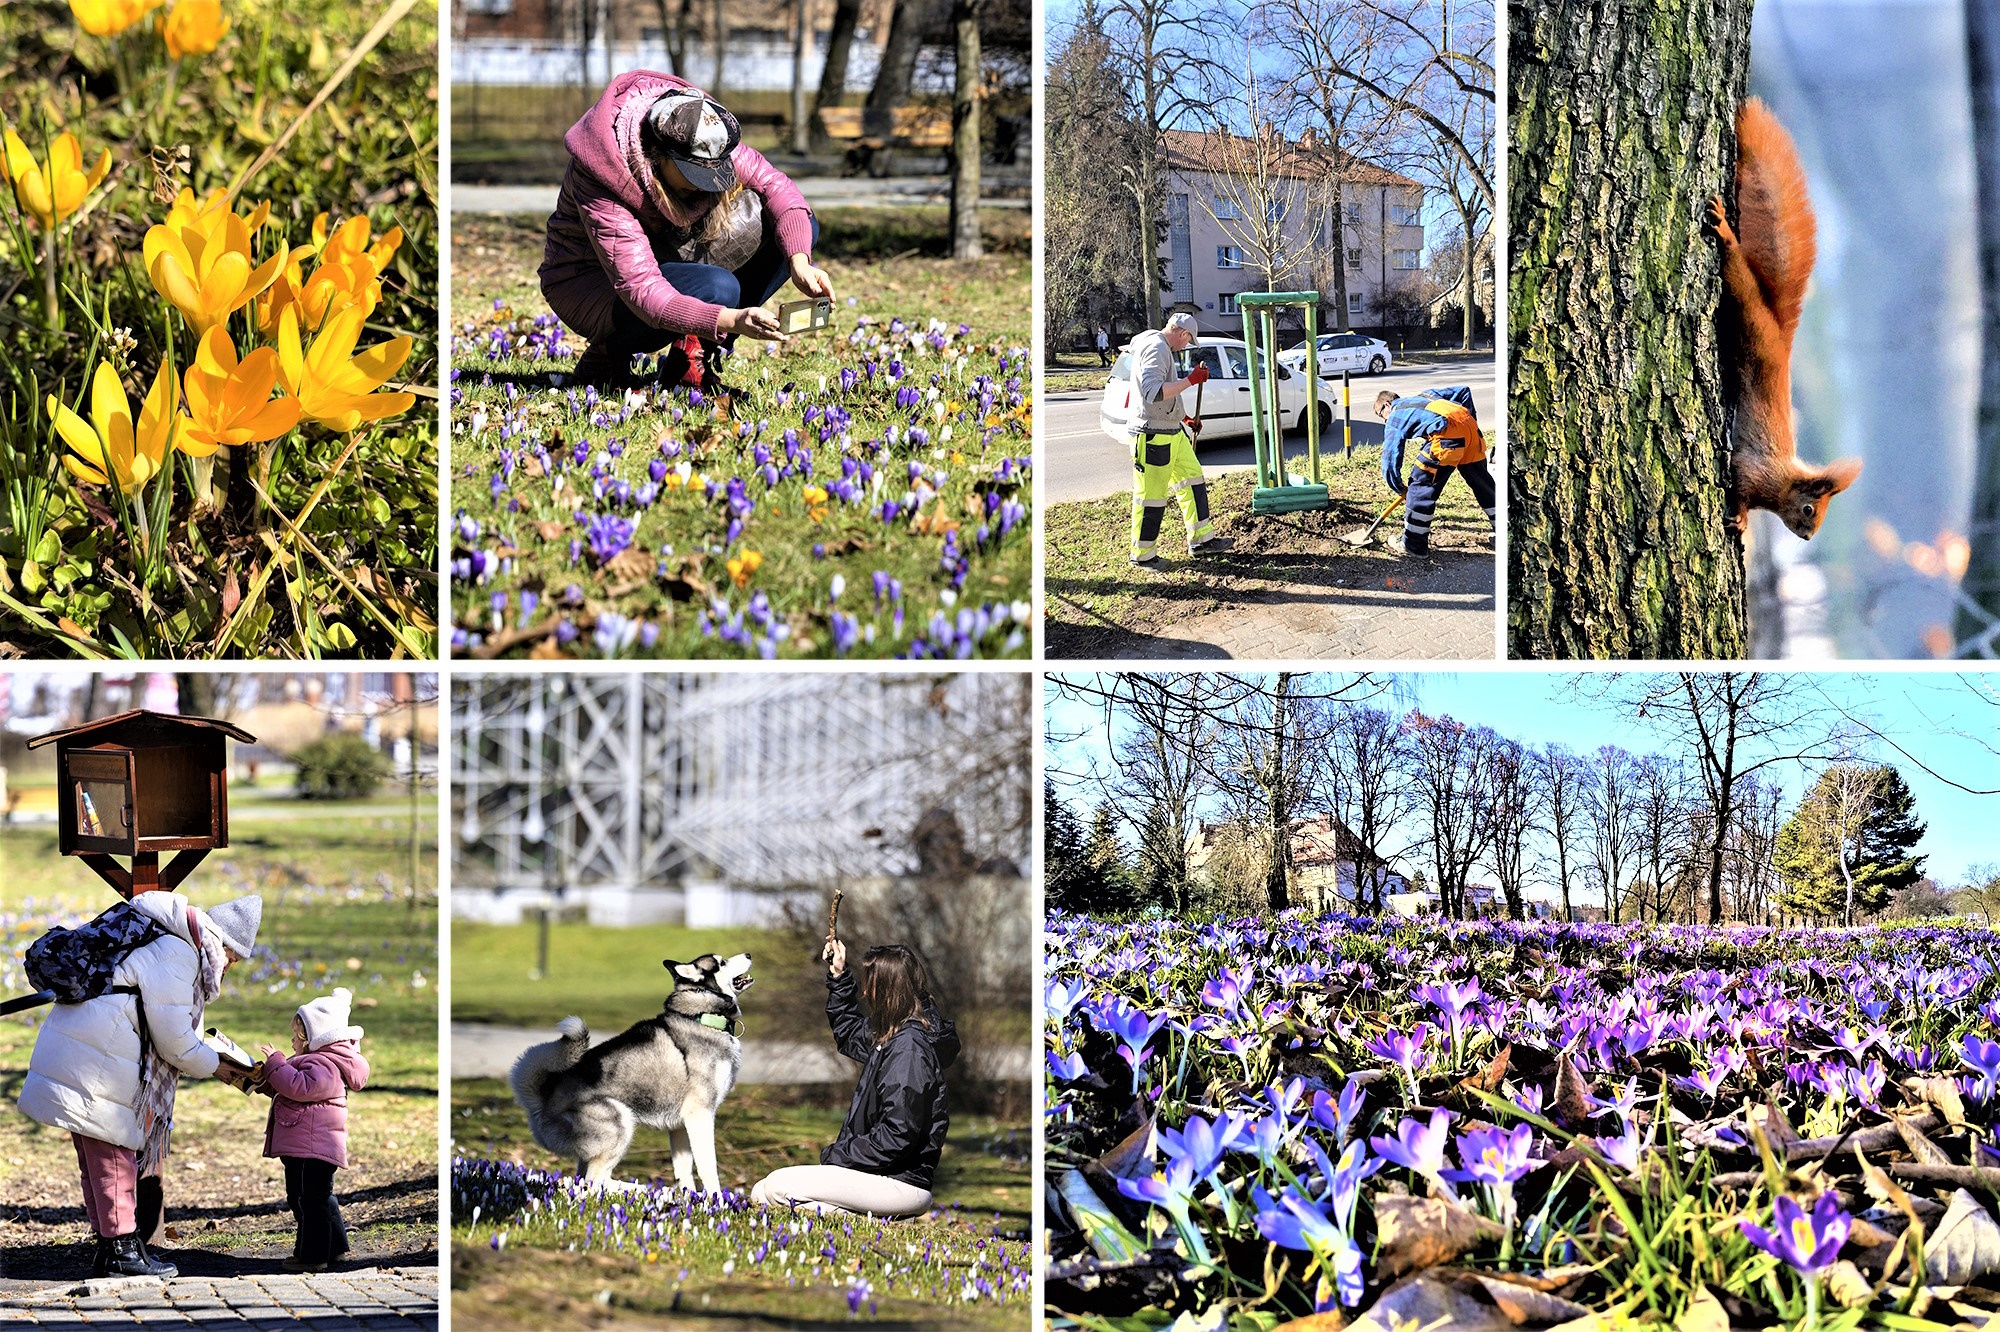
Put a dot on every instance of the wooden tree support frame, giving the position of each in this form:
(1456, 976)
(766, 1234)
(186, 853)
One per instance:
(1278, 490)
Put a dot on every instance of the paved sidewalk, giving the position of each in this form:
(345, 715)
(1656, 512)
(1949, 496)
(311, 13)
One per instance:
(820, 192)
(369, 1299)
(481, 1050)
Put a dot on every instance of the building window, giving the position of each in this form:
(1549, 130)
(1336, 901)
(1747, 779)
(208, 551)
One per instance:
(1229, 303)
(1274, 211)
(1225, 209)
(1354, 215)
(1406, 215)
(1229, 256)
(1355, 305)
(1354, 256)
(493, 7)
(1408, 259)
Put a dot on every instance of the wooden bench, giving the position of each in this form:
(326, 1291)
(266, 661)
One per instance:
(870, 136)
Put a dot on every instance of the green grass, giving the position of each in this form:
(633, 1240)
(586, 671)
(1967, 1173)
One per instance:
(1095, 596)
(530, 579)
(80, 574)
(609, 977)
(1073, 371)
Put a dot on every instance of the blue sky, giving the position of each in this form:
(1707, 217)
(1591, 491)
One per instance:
(1919, 710)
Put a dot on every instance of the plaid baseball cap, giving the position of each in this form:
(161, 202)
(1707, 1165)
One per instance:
(699, 135)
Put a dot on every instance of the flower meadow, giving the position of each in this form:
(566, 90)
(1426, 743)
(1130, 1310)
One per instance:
(863, 491)
(1251, 1121)
(220, 293)
(941, 1269)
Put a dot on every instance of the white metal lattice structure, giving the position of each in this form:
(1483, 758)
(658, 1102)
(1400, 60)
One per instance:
(564, 781)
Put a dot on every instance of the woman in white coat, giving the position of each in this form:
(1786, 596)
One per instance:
(94, 1076)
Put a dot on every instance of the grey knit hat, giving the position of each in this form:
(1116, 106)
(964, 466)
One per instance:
(236, 922)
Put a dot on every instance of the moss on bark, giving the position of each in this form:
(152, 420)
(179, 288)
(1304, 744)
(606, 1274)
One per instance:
(1622, 122)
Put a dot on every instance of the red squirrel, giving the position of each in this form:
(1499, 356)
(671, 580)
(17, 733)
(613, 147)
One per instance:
(1765, 264)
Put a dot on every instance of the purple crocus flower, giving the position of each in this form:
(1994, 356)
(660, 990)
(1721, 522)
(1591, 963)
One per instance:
(1494, 1156)
(1201, 1142)
(1418, 1146)
(1983, 1057)
(1293, 1221)
(1807, 1241)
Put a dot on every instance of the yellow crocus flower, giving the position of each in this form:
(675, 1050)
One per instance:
(194, 27)
(229, 401)
(350, 242)
(200, 260)
(108, 447)
(334, 386)
(52, 193)
(108, 18)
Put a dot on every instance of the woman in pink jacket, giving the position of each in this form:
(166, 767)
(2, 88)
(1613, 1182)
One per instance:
(308, 1124)
(671, 233)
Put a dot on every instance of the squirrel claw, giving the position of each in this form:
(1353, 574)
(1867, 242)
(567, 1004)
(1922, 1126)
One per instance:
(1716, 221)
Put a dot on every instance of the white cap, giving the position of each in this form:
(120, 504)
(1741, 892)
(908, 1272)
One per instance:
(326, 1019)
(1183, 321)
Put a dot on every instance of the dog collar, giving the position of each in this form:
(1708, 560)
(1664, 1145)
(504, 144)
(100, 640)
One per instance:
(720, 1023)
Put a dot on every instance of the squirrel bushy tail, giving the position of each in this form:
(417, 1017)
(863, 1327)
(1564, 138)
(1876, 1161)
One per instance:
(1767, 260)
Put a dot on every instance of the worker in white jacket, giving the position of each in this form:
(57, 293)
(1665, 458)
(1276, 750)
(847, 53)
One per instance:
(92, 1075)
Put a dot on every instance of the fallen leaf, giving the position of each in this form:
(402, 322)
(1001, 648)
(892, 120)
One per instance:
(1941, 1094)
(1415, 1233)
(1921, 1148)
(1132, 1158)
(1964, 1246)
(1331, 1321)
(631, 564)
(1572, 1100)
(1523, 1305)
(1703, 1314)
(1847, 1286)
(549, 529)
(1429, 1300)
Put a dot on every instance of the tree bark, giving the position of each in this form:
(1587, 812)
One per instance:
(967, 143)
(1622, 124)
(1278, 789)
(801, 37)
(718, 37)
(1982, 575)
(899, 56)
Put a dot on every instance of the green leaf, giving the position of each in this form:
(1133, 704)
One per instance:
(31, 576)
(379, 509)
(339, 637)
(49, 549)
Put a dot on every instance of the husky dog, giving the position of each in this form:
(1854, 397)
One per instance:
(669, 1072)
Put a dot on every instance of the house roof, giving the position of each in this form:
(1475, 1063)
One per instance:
(1209, 152)
(142, 726)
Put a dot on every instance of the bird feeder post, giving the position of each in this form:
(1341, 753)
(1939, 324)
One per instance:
(140, 784)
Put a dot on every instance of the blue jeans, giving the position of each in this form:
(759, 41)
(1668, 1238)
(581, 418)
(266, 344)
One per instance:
(752, 284)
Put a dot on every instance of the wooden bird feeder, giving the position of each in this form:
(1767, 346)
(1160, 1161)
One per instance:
(138, 784)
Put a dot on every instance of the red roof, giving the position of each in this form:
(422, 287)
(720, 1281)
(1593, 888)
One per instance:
(1209, 152)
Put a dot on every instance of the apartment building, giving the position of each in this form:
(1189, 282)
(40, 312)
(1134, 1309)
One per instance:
(1205, 265)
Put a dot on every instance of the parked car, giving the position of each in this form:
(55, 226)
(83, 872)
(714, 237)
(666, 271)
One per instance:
(1354, 352)
(1225, 399)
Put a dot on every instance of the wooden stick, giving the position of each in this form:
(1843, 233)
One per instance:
(833, 916)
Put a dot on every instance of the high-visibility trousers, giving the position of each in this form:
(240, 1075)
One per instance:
(1420, 504)
(1165, 464)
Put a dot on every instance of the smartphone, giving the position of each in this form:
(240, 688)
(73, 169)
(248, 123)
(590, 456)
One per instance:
(804, 316)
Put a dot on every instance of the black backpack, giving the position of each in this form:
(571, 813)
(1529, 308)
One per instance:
(77, 964)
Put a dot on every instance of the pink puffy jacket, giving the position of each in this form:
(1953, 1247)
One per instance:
(600, 245)
(309, 1112)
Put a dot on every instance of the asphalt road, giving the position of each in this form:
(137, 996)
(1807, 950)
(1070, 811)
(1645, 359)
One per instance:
(1083, 463)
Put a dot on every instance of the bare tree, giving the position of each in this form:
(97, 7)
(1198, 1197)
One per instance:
(1662, 824)
(1161, 774)
(674, 32)
(967, 142)
(1731, 724)
(1268, 195)
(801, 39)
(1264, 763)
(1564, 781)
(1362, 787)
(1448, 765)
(1609, 805)
(1514, 806)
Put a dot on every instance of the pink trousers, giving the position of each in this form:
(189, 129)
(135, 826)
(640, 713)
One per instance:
(110, 1185)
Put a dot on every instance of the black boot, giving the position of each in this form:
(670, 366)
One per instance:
(604, 368)
(130, 1259)
(151, 1209)
(100, 1261)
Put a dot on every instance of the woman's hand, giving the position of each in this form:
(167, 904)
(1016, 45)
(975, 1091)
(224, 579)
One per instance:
(755, 322)
(811, 279)
(835, 957)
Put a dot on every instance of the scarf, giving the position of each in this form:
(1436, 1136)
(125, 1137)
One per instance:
(158, 1079)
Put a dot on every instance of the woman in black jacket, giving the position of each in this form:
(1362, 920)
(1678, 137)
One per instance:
(887, 1151)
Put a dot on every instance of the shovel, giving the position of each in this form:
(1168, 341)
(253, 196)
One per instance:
(1366, 536)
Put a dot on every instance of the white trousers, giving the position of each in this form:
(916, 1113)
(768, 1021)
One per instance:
(823, 1188)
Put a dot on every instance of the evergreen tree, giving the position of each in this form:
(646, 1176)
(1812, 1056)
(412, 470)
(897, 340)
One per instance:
(1879, 831)
(1063, 850)
(1109, 885)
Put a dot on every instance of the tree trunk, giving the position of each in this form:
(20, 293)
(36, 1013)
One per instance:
(1337, 236)
(801, 37)
(833, 74)
(1278, 876)
(1623, 122)
(967, 145)
(1149, 230)
(718, 36)
(891, 89)
(1469, 288)
(673, 31)
(1982, 576)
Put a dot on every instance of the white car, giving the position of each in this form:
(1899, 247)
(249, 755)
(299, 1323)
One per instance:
(1225, 399)
(1354, 352)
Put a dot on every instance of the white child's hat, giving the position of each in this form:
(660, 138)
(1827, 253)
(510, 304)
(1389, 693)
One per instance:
(326, 1019)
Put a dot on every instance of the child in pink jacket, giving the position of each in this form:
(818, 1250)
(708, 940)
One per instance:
(671, 232)
(308, 1125)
